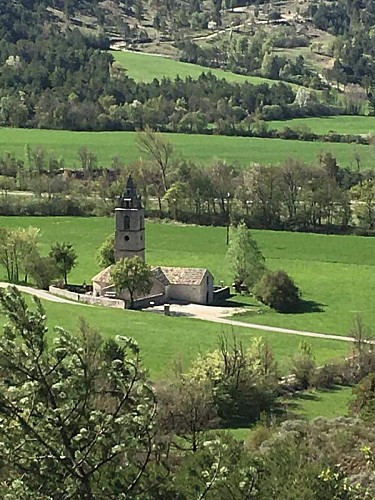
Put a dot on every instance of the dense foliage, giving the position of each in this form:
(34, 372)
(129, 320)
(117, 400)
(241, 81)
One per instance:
(278, 290)
(352, 23)
(296, 196)
(81, 407)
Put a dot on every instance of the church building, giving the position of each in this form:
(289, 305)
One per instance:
(169, 284)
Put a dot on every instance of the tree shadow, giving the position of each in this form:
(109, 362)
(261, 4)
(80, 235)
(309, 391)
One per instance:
(310, 306)
(307, 306)
(228, 303)
(308, 396)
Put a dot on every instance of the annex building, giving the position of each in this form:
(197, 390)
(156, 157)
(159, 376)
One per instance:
(169, 284)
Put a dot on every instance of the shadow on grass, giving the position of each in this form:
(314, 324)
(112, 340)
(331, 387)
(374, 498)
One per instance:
(276, 414)
(307, 306)
(307, 396)
(228, 303)
(310, 306)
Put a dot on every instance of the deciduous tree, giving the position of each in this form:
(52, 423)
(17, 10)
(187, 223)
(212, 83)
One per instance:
(133, 275)
(15, 246)
(73, 412)
(65, 257)
(160, 150)
(106, 253)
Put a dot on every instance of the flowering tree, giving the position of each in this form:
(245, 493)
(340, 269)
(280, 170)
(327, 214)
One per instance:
(73, 413)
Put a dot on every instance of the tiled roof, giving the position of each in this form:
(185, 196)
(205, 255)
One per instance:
(104, 277)
(166, 275)
(184, 275)
(158, 274)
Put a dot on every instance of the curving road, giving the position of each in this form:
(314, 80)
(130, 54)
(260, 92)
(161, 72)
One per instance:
(195, 311)
(220, 315)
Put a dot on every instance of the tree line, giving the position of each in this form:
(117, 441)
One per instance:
(323, 197)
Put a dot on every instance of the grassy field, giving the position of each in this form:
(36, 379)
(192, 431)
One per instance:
(309, 405)
(335, 273)
(338, 124)
(166, 340)
(323, 403)
(202, 148)
(145, 67)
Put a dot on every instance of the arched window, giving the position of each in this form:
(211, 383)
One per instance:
(126, 222)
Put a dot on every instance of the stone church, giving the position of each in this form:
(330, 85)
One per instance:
(169, 284)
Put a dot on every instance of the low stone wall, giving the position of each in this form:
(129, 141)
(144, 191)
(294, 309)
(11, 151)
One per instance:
(87, 299)
(221, 294)
(157, 300)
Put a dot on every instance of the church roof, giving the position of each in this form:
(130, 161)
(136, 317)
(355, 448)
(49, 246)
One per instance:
(166, 275)
(183, 275)
(104, 277)
(158, 274)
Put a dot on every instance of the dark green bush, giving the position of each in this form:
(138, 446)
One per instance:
(277, 290)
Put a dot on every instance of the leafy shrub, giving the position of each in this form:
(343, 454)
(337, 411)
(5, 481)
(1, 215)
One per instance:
(364, 402)
(304, 367)
(43, 270)
(327, 377)
(277, 290)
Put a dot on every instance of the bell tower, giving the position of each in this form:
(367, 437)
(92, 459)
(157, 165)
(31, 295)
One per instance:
(130, 224)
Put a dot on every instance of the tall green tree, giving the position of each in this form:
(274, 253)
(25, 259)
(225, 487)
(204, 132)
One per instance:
(16, 245)
(132, 275)
(106, 252)
(245, 257)
(65, 257)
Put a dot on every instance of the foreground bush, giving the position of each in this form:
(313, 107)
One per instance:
(277, 290)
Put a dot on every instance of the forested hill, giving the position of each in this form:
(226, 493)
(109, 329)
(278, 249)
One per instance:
(56, 72)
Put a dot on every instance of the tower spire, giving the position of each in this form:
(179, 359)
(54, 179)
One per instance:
(130, 198)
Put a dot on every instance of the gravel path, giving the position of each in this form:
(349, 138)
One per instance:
(195, 311)
(220, 315)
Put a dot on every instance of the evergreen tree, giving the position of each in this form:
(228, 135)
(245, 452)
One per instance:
(246, 259)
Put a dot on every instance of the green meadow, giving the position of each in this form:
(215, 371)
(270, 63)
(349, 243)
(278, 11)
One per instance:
(165, 341)
(323, 403)
(339, 124)
(146, 67)
(201, 148)
(309, 405)
(335, 273)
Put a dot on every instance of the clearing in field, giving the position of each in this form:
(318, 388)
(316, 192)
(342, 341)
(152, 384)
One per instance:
(201, 148)
(335, 273)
